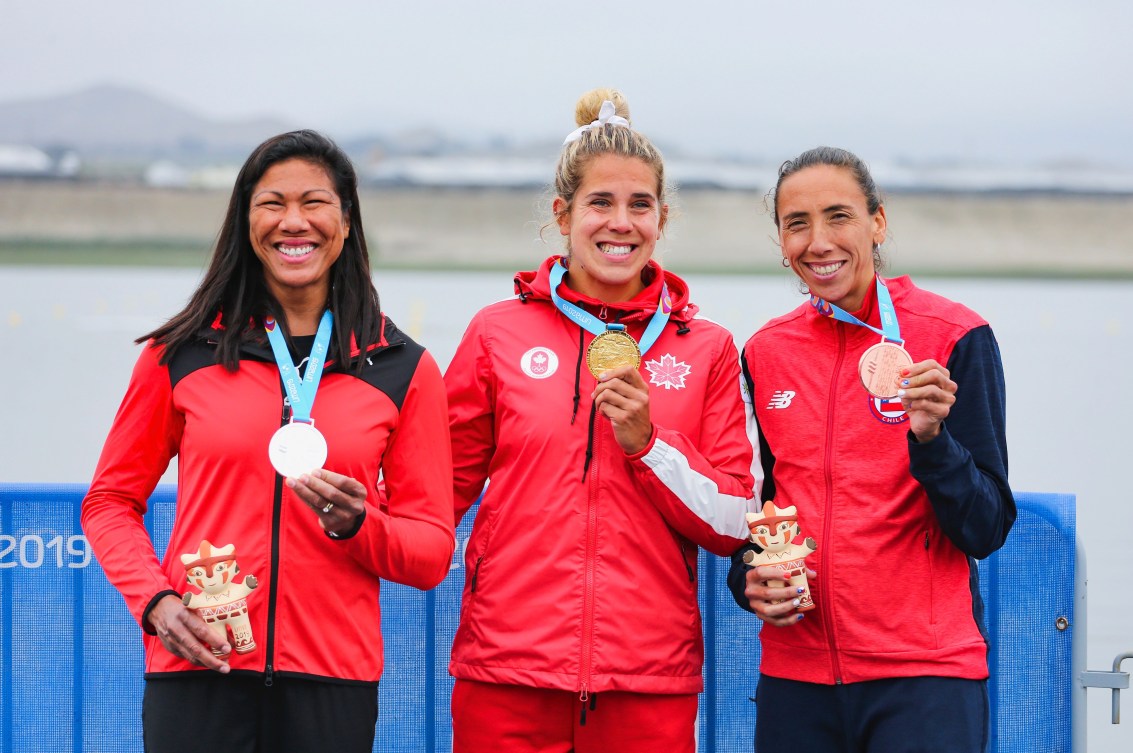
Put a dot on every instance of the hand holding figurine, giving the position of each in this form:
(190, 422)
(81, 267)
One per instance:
(777, 586)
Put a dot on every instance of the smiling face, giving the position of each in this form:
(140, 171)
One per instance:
(827, 234)
(297, 228)
(774, 537)
(613, 225)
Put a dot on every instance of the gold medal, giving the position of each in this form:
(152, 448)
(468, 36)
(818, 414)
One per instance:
(611, 349)
(880, 368)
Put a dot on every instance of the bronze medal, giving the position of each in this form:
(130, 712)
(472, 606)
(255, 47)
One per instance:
(880, 368)
(611, 349)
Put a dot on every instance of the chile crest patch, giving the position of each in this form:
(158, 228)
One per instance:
(887, 410)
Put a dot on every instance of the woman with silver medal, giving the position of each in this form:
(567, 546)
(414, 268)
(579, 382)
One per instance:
(608, 421)
(286, 395)
(903, 484)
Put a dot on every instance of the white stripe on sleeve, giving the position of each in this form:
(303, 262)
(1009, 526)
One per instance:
(700, 494)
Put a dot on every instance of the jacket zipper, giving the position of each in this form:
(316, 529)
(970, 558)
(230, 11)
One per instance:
(684, 560)
(276, 515)
(589, 557)
(827, 532)
(476, 572)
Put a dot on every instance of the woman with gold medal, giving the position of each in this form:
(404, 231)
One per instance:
(609, 424)
(880, 415)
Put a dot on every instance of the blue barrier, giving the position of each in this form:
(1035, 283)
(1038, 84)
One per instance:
(70, 654)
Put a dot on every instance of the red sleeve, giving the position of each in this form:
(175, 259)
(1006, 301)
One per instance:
(471, 398)
(145, 435)
(408, 537)
(704, 490)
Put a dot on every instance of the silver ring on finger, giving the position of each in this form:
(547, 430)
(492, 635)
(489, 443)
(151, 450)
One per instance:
(328, 508)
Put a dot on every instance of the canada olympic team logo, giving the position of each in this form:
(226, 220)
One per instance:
(887, 410)
(539, 363)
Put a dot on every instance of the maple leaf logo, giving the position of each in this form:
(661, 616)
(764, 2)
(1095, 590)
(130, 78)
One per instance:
(668, 373)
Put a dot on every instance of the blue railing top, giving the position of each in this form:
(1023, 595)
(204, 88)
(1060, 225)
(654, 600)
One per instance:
(62, 689)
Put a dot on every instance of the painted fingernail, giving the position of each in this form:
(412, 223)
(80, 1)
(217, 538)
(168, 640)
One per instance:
(904, 372)
(796, 602)
(900, 393)
(800, 590)
(904, 382)
(800, 617)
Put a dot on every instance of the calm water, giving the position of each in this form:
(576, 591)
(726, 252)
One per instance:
(67, 335)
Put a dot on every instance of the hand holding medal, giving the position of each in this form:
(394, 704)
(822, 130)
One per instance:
(887, 370)
(927, 393)
(337, 499)
(613, 358)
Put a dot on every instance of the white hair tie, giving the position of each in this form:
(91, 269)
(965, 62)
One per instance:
(607, 114)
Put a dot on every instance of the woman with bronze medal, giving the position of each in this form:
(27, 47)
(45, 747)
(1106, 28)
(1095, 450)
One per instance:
(880, 410)
(286, 395)
(608, 422)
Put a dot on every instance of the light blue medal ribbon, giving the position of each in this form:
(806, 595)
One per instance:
(301, 392)
(881, 365)
(890, 329)
(596, 326)
(297, 447)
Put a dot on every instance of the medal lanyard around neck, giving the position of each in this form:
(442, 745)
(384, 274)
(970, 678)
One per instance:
(301, 392)
(596, 326)
(891, 330)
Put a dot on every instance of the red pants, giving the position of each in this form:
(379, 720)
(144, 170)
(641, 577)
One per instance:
(490, 718)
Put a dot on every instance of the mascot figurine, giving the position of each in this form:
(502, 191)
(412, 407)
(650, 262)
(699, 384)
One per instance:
(774, 531)
(221, 602)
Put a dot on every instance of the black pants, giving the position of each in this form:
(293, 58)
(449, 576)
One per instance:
(899, 715)
(205, 711)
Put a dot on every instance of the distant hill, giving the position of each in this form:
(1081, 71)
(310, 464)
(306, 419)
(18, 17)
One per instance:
(117, 121)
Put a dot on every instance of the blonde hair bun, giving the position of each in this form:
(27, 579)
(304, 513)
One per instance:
(586, 111)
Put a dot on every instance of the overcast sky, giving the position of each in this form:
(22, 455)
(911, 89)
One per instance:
(1011, 82)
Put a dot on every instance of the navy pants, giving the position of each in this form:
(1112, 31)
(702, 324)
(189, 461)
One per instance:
(899, 715)
(206, 711)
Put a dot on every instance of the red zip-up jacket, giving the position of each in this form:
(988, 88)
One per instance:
(315, 609)
(897, 522)
(581, 568)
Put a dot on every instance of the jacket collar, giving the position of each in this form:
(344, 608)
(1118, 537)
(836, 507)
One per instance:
(535, 284)
(255, 343)
(869, 312)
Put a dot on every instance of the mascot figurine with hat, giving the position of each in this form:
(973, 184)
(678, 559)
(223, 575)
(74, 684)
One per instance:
(774, 530)
(221, 602)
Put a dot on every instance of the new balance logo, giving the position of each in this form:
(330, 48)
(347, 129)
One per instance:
(781, 399)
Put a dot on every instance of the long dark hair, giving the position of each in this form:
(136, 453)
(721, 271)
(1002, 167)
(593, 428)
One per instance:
(234, 287)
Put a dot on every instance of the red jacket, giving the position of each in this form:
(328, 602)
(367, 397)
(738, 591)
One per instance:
(582, 575)
(895, 520)
(315, 608)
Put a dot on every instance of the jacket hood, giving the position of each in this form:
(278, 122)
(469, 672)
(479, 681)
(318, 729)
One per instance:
(536, 284)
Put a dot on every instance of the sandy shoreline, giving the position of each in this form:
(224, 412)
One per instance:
(711, 231)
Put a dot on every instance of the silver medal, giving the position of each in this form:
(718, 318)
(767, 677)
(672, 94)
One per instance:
(297, 448)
